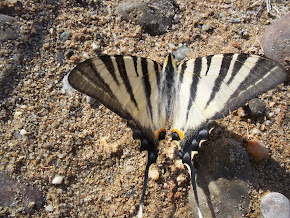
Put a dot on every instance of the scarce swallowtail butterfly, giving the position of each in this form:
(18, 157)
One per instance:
(188, 97)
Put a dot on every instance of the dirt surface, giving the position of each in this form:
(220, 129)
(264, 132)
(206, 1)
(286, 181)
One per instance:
(91, 146)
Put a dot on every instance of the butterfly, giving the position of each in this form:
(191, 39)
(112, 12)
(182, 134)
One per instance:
(188, 98)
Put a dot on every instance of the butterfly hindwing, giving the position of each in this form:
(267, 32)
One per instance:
(127, 85)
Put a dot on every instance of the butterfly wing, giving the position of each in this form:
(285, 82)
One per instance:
(209, 88)
(127, 85)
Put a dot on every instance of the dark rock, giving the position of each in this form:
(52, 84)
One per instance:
(69, 53)
(8, 28)
(155, 16)
(16, 195)
(222, 180)
(257, 107)
(275, 41)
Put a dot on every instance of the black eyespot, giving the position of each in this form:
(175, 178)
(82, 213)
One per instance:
(162, 135)
(137, 134)
(175, 136)
(144, 144)
(194, 145)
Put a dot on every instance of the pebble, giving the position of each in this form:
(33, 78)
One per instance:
(57, 180)
(46, 46)
(223, 17)
(154, 173)
(235, 20)
(181, 179)
(181, 53)
(257, 107)
(257, 150)
(49, 208)
(24, 132)
(205, 27)
(59, 57)
(64, 36)
(275, 204)
(69, 53)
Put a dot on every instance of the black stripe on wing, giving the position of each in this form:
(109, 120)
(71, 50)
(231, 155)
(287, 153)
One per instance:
(147, 85)
(107, 60)
(225, 65)
(123, 73)
(237, 66)
(195, 80)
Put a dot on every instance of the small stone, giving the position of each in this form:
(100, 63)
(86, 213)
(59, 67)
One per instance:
(181, 179)
(241, 112)
(205, 27)
(24, 132)
(65, 36)
(235, 20)
(49, 208)
(257, 150)
(223, 17)
(153, 173)
(69, 53)
(46, 46)
(57, 180)
(59, 57)
(181, 53)
(275, 204)
(277, 111)
(257, 107)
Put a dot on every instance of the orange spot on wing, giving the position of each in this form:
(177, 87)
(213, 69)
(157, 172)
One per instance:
(179, 132)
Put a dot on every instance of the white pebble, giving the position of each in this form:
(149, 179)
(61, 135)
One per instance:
(49, 208)
(153, 173)
(275, 204)
(277, 111)
(57, 180)
(66, 86)
(23, 132)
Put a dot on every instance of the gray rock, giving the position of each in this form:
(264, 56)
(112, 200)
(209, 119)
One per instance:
(16, 195)
(257, 107)
(181, 53)
(59, 57)
(155, 16)
(64, 36)
(222, 180)
(275, 204)
(235, 20)
(8, 28)
(275, 41)
(205, 27)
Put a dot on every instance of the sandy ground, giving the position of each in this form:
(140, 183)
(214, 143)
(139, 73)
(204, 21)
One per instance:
(91, 146)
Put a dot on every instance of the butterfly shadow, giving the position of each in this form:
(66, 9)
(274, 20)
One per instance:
(225, 175)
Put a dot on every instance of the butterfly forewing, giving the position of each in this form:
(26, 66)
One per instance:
(210, 87)
(127, 85)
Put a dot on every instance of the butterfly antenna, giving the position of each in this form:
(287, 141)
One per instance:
(187, 160)
(151, 159)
